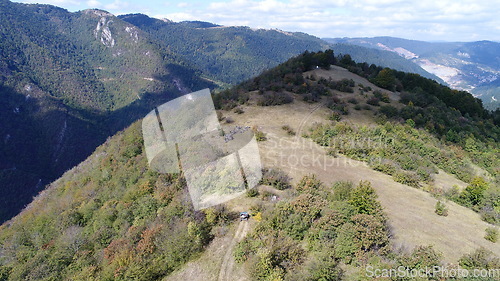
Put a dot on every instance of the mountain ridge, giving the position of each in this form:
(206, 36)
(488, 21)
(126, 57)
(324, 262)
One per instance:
(112, 217)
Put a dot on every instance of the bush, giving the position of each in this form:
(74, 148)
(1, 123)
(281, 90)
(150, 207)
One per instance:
(346, 243)
(385, 166)
(383, 97)
(373, 101)
(259, 135)
(441, 209)
(309, 183)
(421, 257)
(252, 192)
(274, 98)
(407, 178)
(357, 107)
(410, 123)
(335, 116)
(275, 178)
(352, 100)
(342, 190)
(389, 111)
(321, 267)
(481, 258)
(491, 234)
(238, 110)
(288, 130)
(473, 193)
(364, 199)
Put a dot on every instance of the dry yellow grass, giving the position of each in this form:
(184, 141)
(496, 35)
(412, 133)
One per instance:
(410, 210)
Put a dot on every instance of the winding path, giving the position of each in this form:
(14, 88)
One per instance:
(226, 268)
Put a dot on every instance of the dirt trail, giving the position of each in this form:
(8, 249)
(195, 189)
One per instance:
(216, 262)
(228, 262)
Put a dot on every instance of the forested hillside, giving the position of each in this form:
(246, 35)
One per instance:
(110, 218)
(229, 54)
(67, 82)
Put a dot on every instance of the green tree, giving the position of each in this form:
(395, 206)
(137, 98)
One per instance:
(474, 192)
(385, 79)
(364, 199)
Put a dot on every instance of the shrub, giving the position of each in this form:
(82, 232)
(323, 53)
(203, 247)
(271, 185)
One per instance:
(371, 232)
(259, 135)
(407, 178)
(275, 178)
(383, 97)
(410, 123)
(252, 192)
(421, 257)
(243, 250)
(346, 243)
(345, 85)
(481, 258)
(352, 100)
(389, 111)
(238, 110)
(335, 116)
(364, 199)
(309, 183)
(321, 267)
(385, 166)
(357, 107)
(342, 190)
(441, 209)
(373, 101)
(491, 234)
(288, 130)
(274, 98)
(473, 193)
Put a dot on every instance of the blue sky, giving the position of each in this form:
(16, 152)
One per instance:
(429, 20)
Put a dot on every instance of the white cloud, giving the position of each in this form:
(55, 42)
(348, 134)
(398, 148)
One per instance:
(116, 5)
(424, 19)
(94, 4)
(177, 16)
(463, 20)
(60, 3)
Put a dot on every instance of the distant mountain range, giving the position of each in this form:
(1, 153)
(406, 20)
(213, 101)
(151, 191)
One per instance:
(229, 54)
(471, 66)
